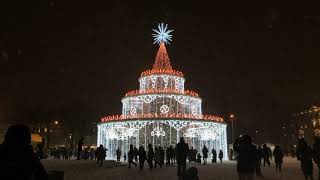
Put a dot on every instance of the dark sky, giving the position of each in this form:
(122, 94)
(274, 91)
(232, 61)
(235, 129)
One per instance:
(74, 60)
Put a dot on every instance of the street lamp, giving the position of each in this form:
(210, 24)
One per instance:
(232, 129)
(56, 122)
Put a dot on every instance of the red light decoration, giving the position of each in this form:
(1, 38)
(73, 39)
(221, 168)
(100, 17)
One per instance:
(162, 116)
(162, 71)
(155, 91)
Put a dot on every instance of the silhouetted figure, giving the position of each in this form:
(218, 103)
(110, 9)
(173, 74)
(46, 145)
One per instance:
(247, 157)
(265, 155)
(199, 158)
(135, 150)
(278, 157)
(150, 156)
(258, 162)
(270, 153)
(17, 159)
(80, 144)
(220, 156)
(118, 152)
(304, 154)
(40, 147)
(124, 156)
(168, 156)
(205, 154)
(181, 155)
(191, 174)
(231, 154)
(316, 153)
(131, 156)
(161, 155)
(142, 156)
(171, 154)
(101, 154)
(214, 156)
(157, 157)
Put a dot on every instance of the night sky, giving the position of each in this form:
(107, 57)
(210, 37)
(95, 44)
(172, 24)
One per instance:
(75, 60)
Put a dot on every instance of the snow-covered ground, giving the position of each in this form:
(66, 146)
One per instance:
(88, 170)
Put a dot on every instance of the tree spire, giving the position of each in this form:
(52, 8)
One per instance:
(162, 59)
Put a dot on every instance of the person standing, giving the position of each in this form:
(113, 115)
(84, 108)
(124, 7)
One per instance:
(118, 152)
(316, 153)
(247, 157)
(266, 155)
(135, 150)
(304, 154)
(131, 156)
(101, 154)
(205, 154)
(161, 156)
(214, 156)
(150, 156)
(168, 156)
(181, 156)
(220, 156)
(278, 157)
(157, 157)
(18, 160)
(142, 156)
(80, 144)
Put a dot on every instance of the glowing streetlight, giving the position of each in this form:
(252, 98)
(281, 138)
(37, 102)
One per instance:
(232, 130)
(56, 122)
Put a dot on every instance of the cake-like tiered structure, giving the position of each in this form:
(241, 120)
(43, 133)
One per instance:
(161, 112)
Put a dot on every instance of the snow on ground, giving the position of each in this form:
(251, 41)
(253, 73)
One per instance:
(88, 170)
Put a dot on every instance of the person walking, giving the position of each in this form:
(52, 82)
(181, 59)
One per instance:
(247, 157)
(214, 156)
(131, 156)
(18, 160)
(220, 156)
(278, 157)
(181, 156)
(150, 156)
(316, 153)
(142, 157)
(80, 144)
(118, 152)
(205, 154)
(161, 156)
(101, 154)
(304, 154)
(168, 156)
(258, 162)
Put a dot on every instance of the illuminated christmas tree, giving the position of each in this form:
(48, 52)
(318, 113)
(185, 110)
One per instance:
(161, 111)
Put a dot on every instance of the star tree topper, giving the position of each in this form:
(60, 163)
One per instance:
(162, 34)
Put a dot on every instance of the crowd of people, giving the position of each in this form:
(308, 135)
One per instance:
(19, 161)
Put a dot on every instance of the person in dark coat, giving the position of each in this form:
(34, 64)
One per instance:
(258, 162)
(101, 154)
(168, 156)
(142, 156)
(80, 144)
(118, 152)
(214, 156)
(278, 157)
(220, 156)
(304, 154)
(205, 154)
(316, 153)
(135, 150)
(150, 156)
(131, 156)
(199, 158)
(191, 174)
(265, 155)
(181, 156)
(247, 157)
(17, 158)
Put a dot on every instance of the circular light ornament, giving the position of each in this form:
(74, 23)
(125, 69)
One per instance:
(164, 109)
(133, 111)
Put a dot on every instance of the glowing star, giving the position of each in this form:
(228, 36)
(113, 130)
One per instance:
(162, 34)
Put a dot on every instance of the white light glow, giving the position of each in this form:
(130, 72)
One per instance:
(162, 34)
